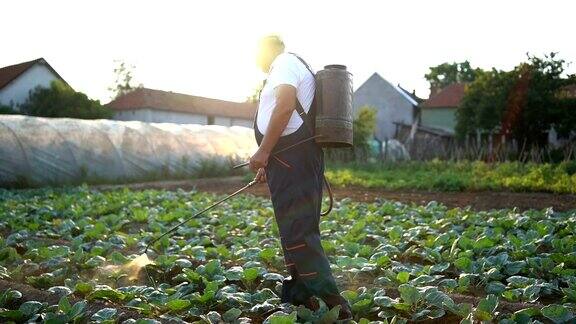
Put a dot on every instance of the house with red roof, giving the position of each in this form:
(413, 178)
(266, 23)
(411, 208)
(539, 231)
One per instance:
(439, 111)
(16, 81)
(157, 106)
(393, 104)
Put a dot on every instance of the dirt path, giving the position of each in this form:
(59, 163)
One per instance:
(481, 200)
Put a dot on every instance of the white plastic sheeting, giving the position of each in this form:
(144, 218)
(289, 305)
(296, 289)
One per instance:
(54, 151)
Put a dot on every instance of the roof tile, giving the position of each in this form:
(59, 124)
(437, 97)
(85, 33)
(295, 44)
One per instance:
(143, 98)
(11, 72)
(448, 97)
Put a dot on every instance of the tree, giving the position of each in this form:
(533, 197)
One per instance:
(60, 100)
(363, 127)
(122, 84)
(543, 107)
(484, 102)
(255, 96)
(6, 110)
(445, 74)
(523, 103)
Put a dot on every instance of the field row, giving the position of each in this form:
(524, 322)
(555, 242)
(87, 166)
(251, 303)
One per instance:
(394, 262)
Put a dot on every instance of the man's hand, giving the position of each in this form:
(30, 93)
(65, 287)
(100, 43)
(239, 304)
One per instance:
(259, 160)
(260, 176)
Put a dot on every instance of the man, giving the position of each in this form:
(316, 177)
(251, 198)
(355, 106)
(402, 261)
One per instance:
(295, 176)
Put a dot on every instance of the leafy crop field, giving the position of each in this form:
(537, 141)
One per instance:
(395, 263)
(458, 176)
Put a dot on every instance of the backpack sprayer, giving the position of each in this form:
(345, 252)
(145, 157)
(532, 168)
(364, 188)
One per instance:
(331, 127)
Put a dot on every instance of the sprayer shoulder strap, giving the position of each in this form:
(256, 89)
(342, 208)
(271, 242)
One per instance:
(305, 117)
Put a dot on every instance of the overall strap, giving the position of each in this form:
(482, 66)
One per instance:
(257, 133)
(305, 117)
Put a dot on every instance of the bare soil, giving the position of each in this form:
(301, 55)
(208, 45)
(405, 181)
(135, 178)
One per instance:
(477, 200)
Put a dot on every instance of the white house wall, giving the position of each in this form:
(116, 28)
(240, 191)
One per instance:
(17, 91)
(391, 105)
(224, 121)
(165, 116)
(242, 122)
(160, 116)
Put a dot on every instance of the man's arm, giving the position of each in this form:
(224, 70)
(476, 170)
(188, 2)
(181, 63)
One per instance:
(285, 105)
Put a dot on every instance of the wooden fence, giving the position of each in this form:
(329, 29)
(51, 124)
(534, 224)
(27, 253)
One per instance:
(427, 145)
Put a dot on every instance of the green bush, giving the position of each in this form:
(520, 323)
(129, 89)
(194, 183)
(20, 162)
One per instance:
(60, 100)
(363, 131)
(569, 167)
(6, 110)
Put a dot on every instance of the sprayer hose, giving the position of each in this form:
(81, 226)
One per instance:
(330, 195)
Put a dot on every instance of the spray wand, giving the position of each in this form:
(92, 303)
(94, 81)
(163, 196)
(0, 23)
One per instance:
(250, 184)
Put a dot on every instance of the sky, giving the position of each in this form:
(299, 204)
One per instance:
(207, 48)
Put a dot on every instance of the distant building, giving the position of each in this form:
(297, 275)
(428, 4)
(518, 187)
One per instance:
(17, 81)
(411, 94)
(568, 91)
(393, 104)
(439, 111)
(419, 133)
(149, 105)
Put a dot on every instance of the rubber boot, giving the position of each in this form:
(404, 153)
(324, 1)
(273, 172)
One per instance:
(335, 300)
(312, 304)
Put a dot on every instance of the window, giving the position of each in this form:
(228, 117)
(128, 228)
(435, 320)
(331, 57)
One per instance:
(210, 120)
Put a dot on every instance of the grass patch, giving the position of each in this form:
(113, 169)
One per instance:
(439, 175)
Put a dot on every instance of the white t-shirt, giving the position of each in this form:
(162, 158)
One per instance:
(286, 69)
